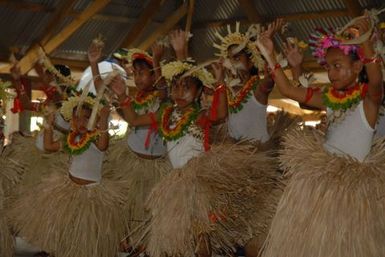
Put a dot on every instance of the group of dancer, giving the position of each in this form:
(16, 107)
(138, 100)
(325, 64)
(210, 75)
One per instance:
(197, 179)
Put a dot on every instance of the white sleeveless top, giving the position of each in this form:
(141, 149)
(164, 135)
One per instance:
(352, 136)
(137, 137)
(182, 150)
(59, 122)
(88, 165)
(249, 123)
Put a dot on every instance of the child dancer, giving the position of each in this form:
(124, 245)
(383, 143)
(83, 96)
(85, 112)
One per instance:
(139, 158)
(80, 213)
(195, 208)
(334, 201)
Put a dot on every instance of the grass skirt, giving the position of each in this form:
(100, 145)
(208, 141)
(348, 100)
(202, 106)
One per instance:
(141, 174)
(24, 152)
(10, 174)
(67, 220)
(333, 206)
(213, 195)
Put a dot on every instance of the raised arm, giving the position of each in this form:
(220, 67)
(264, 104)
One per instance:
(372, 64)
(302, 95)
(103, 139)
(179, 42)
(157, 54)
(118, 86)
(50, 145)
(220, 95)
(94, 56)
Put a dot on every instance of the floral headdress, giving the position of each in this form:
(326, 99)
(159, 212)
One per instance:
(132, 54)
(185, 68)
(68, 106)
(322, 40)
(243, 41)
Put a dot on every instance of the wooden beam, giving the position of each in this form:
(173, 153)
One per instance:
(62, 10)
(73, 64)
(142, 22)
(288, 17)
(354, 7)
(189, 15)
(165, 27)
(251, 12)
(30, 58)
(25, 6)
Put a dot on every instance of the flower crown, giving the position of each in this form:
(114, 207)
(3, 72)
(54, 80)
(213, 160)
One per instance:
(68, 106)
(242, 40)
(322, 40)
(176, 68)
(132, 54)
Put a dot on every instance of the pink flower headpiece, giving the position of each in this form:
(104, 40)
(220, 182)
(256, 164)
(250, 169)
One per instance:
(322, 40)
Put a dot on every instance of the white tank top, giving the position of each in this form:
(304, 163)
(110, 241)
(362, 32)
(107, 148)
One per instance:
(59, 122)
(352, 136)
(182, 150)
(137, 137)
(88, 165)
(249, 123)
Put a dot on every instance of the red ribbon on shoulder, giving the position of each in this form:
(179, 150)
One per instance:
(205, 123)
(153, 129)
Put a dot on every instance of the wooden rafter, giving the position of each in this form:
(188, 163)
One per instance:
(288, 17)
(165, 27)
(251, 12)
(30, 58)
(354, 7)
(189, 15)
(26, 6)
(61, 11)
(144, 19)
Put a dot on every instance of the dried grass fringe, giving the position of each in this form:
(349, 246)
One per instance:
(66, 219)
(230, 183)
(333, 206)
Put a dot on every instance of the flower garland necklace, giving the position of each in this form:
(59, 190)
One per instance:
(141, 102)
(170, 116)
(235, 102)
(340, 102)
(76, 143)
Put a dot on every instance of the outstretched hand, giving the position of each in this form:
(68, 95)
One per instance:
(95, 51)
(179, 42)
(157, 51)
(293, 53)
(219, 70)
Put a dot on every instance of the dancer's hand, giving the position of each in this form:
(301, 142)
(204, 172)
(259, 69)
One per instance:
(95, 51)
(293, 53)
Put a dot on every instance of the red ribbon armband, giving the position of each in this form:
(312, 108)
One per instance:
(215, 103)
(152, 130)
(309, 94)
(274, 69)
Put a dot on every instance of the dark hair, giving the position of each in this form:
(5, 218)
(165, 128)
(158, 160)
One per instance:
(363, 75)
(85, 106)
(141, 63)
(63, 69)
